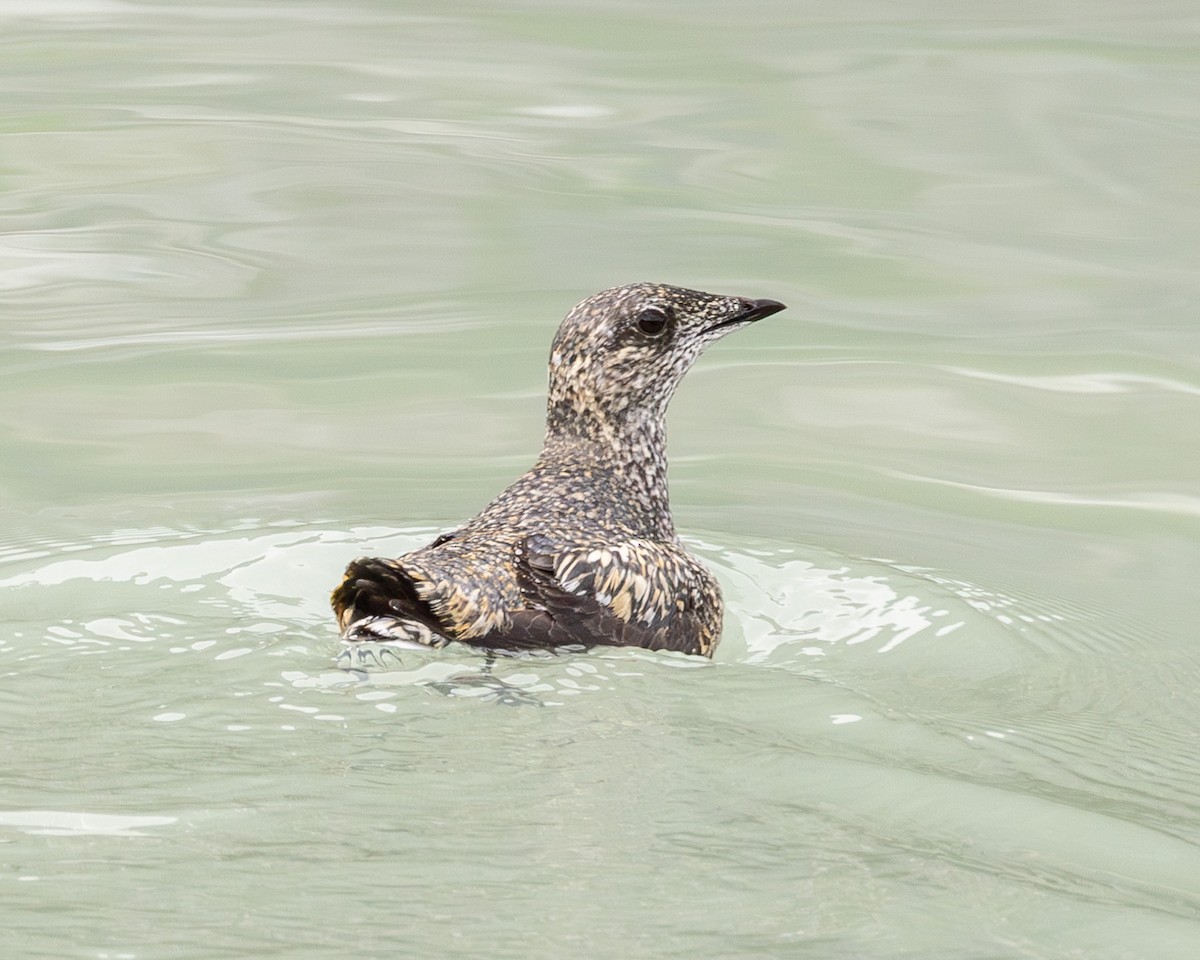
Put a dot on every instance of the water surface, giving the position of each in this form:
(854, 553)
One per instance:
(279, 284)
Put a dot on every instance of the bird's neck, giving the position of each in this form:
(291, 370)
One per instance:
(624, 460)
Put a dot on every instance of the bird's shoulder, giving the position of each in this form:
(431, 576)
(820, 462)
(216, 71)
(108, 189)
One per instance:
(539, 590)
(635, 592)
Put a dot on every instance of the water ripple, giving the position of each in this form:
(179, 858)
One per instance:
(1099, 382)
(1178, 504)
(1005, 737)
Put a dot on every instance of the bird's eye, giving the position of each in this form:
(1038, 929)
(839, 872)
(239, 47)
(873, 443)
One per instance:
(652, 322)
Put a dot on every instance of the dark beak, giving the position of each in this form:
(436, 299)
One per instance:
(757, 309)
(751, 310)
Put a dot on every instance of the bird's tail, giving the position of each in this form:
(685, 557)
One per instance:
(377, 600)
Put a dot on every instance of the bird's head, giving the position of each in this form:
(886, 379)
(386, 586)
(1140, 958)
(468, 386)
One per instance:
(619, 355)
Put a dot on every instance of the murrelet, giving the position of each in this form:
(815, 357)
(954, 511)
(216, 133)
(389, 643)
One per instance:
(582, 548)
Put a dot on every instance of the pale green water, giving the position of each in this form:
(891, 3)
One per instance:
(277, 287)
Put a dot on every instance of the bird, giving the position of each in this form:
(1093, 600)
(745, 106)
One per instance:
(581, 550)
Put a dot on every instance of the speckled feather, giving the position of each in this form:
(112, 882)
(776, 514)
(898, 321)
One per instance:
(582, 548)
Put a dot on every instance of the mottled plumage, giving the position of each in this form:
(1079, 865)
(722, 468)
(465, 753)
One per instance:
(582, 548)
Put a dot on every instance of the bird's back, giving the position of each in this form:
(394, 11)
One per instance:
(552, 561)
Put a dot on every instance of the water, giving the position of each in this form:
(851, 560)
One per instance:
(278, 285)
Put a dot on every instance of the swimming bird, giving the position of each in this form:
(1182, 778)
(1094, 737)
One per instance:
(582, 548)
